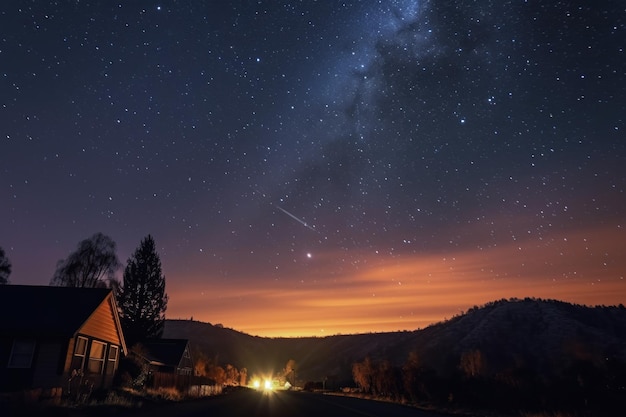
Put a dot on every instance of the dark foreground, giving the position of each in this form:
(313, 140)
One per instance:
(282, 404)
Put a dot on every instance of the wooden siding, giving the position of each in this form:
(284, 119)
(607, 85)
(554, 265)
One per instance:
(69, 354)
(102, 325)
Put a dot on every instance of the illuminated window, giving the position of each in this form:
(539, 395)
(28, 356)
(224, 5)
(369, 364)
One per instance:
(113, 354)
(22, 354)
(96, 357)
(81, 346)
(80, 351)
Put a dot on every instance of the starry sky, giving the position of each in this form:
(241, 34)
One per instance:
(321, 167)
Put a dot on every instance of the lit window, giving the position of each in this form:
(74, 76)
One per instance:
(96, 357)
(80, 351)
(81, 346)
(22, 354)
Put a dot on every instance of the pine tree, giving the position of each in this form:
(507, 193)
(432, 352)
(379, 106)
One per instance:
(142, 298)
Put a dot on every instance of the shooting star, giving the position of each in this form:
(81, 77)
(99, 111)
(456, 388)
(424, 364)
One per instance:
(299, 220)
(296, 218)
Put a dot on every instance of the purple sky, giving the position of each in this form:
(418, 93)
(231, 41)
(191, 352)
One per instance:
(321, 167)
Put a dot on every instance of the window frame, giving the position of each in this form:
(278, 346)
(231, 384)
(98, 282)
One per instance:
(95, 359)
(78, 358)
(111, 361)
(17, 359)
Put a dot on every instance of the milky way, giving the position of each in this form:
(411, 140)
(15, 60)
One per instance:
(281, 152)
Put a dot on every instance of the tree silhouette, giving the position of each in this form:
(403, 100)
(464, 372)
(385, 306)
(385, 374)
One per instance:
(92, 265)
(141, 297)
(5, 268)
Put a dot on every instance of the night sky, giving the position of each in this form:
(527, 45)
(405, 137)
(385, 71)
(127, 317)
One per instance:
(321, 167)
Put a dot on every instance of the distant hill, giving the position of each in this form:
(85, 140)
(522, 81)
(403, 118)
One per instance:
(316, 358)
(542, 336)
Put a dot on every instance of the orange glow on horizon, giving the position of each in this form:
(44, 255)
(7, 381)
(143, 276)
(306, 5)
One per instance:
(411, 291)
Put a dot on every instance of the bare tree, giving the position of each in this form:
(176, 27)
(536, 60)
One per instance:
(363, 374)
(5, 268)
(93, 264)
(243, 376)
(201, 361)
(385, 380)
(232, 375)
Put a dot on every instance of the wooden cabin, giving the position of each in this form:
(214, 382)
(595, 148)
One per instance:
(168, 361)
(58, 339)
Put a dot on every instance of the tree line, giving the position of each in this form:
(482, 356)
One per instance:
(468, 380)
(414, 380)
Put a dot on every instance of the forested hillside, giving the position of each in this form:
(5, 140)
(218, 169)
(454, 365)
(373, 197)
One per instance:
(523, 353)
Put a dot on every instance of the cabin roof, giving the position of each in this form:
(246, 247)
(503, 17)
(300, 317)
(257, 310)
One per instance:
(45, 310)
(168, 352)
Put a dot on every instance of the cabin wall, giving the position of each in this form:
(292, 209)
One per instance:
(46, 365)
(12, 379)
(45, 370)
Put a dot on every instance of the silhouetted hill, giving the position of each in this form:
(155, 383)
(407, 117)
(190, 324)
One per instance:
(545, 337)
(316, 358)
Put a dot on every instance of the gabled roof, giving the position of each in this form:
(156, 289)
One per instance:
(47, 311)
(167, 352)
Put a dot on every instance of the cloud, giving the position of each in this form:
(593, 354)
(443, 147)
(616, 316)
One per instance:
(412, 290)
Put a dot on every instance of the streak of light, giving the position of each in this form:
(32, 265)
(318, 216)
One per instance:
(299, 220)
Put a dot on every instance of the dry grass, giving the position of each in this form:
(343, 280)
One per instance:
(547, 414)
(168, 394)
